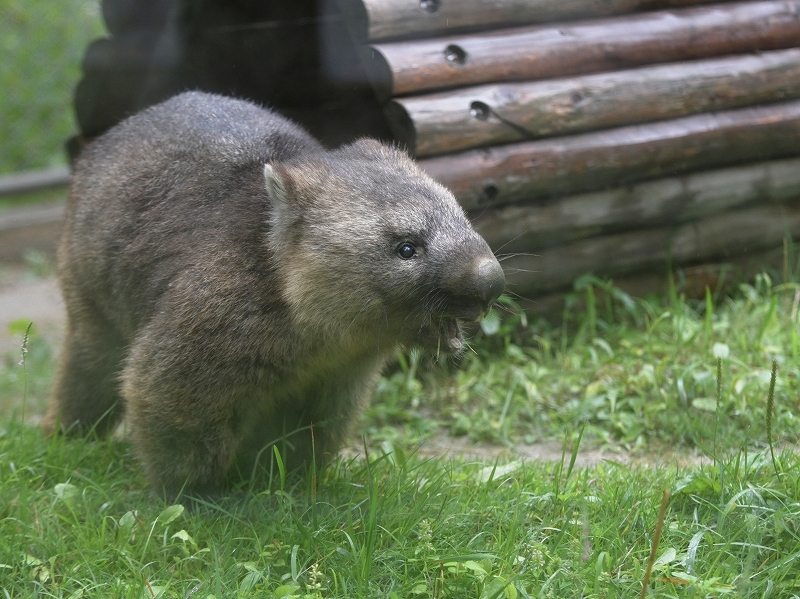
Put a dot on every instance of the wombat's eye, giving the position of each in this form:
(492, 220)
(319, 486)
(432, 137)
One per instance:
(406, 251)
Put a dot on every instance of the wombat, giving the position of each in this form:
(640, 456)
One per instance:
(230, 285)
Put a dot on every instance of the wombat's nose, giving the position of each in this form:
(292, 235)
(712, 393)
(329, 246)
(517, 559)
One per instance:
(490, 281)
(476, 289)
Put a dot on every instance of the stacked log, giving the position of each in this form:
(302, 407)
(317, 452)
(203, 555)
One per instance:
(397, 19)
(518, 228)
(584, 47)
(507, 112)
(534, 170)
(608, 137)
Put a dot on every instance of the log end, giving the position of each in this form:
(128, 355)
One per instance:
(357, 19)
(378, 71)
(402, 126)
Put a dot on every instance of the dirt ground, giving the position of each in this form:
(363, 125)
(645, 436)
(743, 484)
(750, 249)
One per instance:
(24, 296)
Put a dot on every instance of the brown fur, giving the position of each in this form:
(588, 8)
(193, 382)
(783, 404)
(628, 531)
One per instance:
(226, 305)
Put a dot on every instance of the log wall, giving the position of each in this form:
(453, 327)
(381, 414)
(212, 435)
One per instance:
(502, 113)
(530, 171)
(393, 19)
(581, 136)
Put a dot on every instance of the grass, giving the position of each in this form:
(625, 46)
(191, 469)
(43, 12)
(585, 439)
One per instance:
(25, 391)
(640, 374)
(76, 519)
(77, 522)
(42, 45)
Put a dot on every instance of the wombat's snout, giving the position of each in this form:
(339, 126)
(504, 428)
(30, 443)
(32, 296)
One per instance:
(477, 289)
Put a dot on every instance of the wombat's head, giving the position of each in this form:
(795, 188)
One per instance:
(373, 250)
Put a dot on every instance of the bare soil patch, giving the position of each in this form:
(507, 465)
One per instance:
(24, 296)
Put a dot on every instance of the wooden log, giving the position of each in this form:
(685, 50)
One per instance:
(664, 201)
(534, 170)
(716, 237)
(33, 227)
(586, 47)
(40, 214)
(496, 114)
(394, 19)
(16, 243)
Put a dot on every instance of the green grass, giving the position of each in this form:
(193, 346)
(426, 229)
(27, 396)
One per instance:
(42, 46)
(640, 374)
(76, 522)
(76, 519)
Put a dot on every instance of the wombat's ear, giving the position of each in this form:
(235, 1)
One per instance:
(276, 187)
(283, 211)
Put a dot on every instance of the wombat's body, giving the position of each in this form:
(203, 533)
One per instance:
(230, 284)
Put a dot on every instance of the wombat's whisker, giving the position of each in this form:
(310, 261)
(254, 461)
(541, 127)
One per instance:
(507, 256)
(504, 308)
(511, 241)
(518, 270)
(516, 295)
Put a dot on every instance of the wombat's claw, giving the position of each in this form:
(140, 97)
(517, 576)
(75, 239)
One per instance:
(453, 337)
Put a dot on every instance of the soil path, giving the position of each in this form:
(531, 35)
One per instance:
(24, 297)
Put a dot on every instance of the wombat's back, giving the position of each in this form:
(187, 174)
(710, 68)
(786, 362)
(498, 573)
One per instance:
(200, 128)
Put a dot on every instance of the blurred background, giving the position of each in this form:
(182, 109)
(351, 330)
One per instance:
(42, 44)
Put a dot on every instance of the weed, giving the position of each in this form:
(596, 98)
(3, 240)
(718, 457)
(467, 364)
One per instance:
(25, 384)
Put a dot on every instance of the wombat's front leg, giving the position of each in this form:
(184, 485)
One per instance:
(85, 395)
(194, 457)
(310, 428)
(192, 451)
(184, 415)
